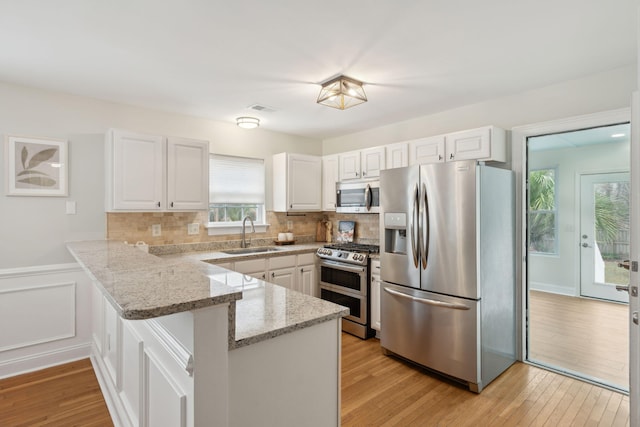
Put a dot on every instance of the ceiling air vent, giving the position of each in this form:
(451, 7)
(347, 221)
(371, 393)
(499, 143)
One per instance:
(261, 108)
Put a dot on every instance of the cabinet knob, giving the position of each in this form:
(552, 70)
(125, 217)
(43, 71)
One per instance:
(171, 204)
(302, 270)
(273, 274)
(439, 157)
(158, 204)
(451, 156)
(264, 276)
(364, 173)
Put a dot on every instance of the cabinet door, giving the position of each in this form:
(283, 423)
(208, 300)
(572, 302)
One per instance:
(307, 280)
(136, 171)
(372, 161)
(397, 155)
(349, 165)
(285, 277)
(330, 175)
(473, 144)
(305, 183)
(427, 150)
(112, 333)
(187, 174)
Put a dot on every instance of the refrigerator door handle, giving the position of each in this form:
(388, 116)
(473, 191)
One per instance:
(413, 229)
(424, 227)
(426, 300)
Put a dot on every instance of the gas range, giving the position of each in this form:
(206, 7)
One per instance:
(352, 253)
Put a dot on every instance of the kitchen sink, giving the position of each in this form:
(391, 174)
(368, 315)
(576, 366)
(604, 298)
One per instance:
(257, 250)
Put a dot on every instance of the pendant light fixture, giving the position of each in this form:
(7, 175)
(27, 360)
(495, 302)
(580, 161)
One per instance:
(248, 122)
(342, 93)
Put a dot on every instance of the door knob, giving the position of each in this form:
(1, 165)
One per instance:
(634, 317)
(586, 245)
(625, 264)
(622, 288)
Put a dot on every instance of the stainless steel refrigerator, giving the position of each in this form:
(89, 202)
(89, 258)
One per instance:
(448, 269)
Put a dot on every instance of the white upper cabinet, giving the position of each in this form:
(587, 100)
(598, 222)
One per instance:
(187, 174)
(330, 175)
(135, 171)
(487, 143)
(297, 183)
(397, 155)
(362, 164)
(151, 173)
(427, 150)
(372, 161)
(350, 165)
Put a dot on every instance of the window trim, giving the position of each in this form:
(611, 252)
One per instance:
(235, 227)
(556, 235)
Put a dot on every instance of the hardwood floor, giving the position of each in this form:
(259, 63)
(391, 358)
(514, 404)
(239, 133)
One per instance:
(376, 391)
(579, 334)
(383, 391)
(65, 395)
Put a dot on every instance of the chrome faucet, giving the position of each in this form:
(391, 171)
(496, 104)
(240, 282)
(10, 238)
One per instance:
(243, 243)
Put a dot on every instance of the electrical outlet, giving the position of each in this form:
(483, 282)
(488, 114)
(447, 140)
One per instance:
(193, 228)
(156, 230)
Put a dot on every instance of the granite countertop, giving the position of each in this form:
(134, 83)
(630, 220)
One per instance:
(143, 286)
(216, 257)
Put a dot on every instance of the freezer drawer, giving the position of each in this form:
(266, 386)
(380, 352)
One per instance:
(436, 331)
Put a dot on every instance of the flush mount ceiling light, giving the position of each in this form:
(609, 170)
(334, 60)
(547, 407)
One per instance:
(342, 93)
(248, 122)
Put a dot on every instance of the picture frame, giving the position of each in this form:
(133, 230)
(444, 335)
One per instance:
(36, 166)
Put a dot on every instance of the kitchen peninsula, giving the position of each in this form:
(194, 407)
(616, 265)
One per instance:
(174, 345)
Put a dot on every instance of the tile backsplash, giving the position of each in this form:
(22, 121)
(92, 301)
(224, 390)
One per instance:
(134, 227)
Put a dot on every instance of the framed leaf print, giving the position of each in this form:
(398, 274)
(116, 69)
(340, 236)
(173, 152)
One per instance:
(36, 166)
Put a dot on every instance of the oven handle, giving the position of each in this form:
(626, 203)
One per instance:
(427, 301)
(342, 266)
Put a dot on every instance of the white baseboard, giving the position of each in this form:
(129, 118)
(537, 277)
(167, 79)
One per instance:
(551, 288)
(42, 360)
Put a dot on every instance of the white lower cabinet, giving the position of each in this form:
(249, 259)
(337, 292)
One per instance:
(132, 351)
(296, 272)
(282, 271)
(111, 339)
(376, 285)
(307, 277)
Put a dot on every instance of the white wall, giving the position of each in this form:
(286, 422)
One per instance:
(561, 273)
(600, 92)
(33, 229)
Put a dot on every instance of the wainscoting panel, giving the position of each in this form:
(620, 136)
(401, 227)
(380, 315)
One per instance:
(37, 314)
(45, 317)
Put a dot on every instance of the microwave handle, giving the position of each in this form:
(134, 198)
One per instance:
(367, 197)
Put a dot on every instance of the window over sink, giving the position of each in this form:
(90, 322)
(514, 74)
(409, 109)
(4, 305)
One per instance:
(236, 190)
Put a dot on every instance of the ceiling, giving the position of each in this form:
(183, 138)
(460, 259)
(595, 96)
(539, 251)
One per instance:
(620, 133)
(214, 59)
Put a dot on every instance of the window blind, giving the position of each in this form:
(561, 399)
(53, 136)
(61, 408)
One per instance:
(236, 180)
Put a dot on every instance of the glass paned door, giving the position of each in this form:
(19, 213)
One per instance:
(604, 235)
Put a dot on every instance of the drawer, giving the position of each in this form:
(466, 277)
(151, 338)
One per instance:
(305, 259)
(250, 266)
(282, 262)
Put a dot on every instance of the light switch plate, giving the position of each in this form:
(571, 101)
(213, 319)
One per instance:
(71, 207)
(156, 230)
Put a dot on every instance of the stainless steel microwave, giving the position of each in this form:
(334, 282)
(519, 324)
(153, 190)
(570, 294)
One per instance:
(358, 196)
